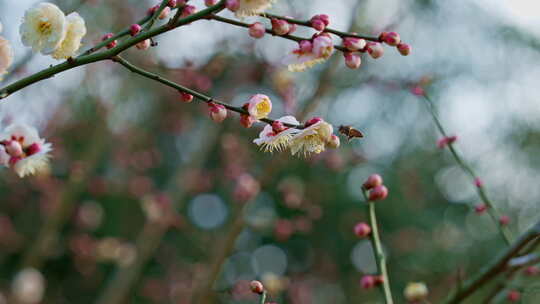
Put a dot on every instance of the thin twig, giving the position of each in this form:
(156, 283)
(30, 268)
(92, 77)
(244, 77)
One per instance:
(492, 210)
(378, 250)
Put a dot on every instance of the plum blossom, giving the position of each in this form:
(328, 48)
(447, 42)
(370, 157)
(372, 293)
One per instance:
(310, 53)
(246, 8)
(44, 27)
(277, 136)
(259, 106)
(313, 138)
(27, 152)
(76, 29)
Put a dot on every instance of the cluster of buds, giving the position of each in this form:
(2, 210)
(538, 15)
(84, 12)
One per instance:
(393, 39)
(320, 22)
(111, 44)
(377, 191)
(371, 281)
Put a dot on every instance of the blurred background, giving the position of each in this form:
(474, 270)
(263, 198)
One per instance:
(148, 201)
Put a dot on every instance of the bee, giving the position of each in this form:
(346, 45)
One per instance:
(350, 132)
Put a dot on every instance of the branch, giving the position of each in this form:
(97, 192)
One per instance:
(91, 58)
(269, 31)
(200, 96)
(496, 267)
(378, 250)
(492, 210)
(327, 30)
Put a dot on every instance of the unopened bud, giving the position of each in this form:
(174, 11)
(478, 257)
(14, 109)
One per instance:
(218, 112)
(372, 181)
(334, 141)
(280, 27)
(188, 11)
(375, 49)
(378, 193)
(504, 220)
(256, 287)
(165, 13)
(232, 5)
(210, 2)
(478, 182)
(392, 39)
(404, 49)
(415, 292)
(480, 209)
(172, 3)
(353, 43)
(143, 45)
(362, 230)
(257, 30)
(367, 282)
(186, 97)
(33, 149)
(305, 46)
(352, 61)
(14, 148)
(134, 29)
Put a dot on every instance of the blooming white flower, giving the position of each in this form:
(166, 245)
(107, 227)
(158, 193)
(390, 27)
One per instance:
(76, 29)
(272, 138)
(310, 53)
(253, 7)
(313, 138)
(35, 151)
(6, 56)
(44, 27)
(259, 106)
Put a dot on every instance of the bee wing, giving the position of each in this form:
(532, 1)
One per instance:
(355, 133)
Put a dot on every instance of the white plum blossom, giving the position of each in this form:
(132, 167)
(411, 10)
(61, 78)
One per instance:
(76, 29)
(44, 27)
(277, 136)
(253, 7)
(313, 138)
(310, 53)
(6, 56)
(28, 153)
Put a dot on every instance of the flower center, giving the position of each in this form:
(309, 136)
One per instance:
(44, 27)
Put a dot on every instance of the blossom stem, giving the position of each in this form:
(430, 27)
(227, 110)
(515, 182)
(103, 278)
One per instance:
(328, 30)
(198, 95)
(492, 210)
(156, 14)
(263, 297)
(269, 31)
(108, 54)
(378, 250)
(492, 270)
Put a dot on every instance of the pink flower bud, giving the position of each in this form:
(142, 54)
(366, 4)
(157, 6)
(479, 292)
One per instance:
(334, 142)
(504, 220)
(143, 45)
(280, 27)
(352, 61)
(188, 11)
(532, 270)
(172, 3)
(354, 44)
(218, 112)
(325, 18)
(232, 5)
(318, 24)
(134, 29)
(112, 43)
(372, 181)
(165, 13)
(378, 193)
(367, 282)
(210, 2)
(362, 230)
(445, 141)
(404, 49)
(513, 296)
(379, 279)
(153, 10)
(418, 91)
(374, 49)
(480, 208)
(478, 182)
(246, 120)
(14, 148)
(306, 46)
(33, 149)
(313, 121)
(256, 287)
(186, 97)
(392, 39)
(277, 126)
(257, 30)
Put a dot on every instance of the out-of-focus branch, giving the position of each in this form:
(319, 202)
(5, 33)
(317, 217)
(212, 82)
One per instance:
(492, 210)
(181, 88)
(496, 267)
(376, 243)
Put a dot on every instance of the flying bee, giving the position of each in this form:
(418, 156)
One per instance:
(350, 132)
